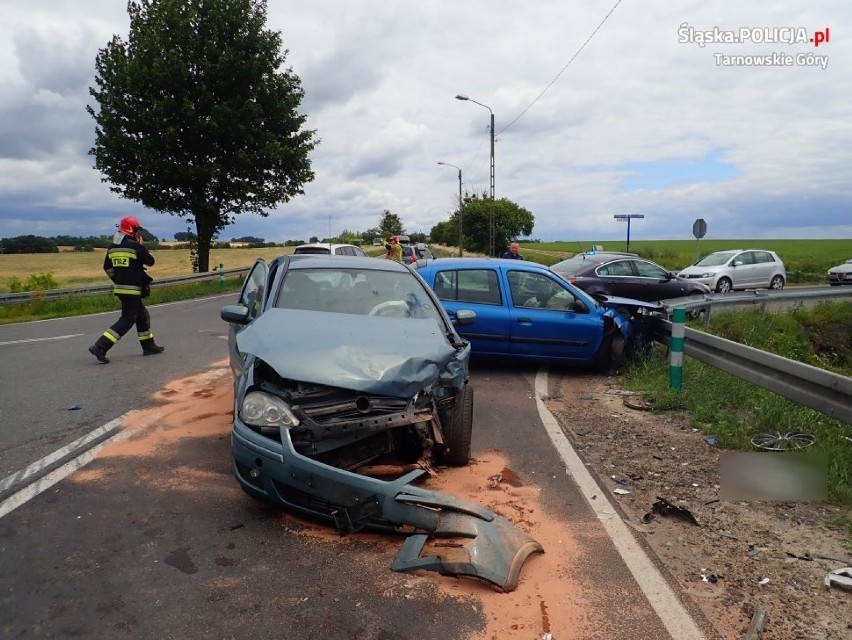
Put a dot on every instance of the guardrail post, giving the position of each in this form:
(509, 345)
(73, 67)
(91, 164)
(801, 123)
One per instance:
(221, 275)
(676, 349)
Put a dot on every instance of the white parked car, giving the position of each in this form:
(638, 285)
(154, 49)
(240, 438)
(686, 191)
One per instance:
(327, 248)
(725, 271)
(841, 274)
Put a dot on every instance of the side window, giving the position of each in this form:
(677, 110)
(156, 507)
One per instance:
(617, 268)
(648, 270)
(746, 257)
(762, 257)
(356, 251)
(537, 291)
(253, 290)
(479, 286)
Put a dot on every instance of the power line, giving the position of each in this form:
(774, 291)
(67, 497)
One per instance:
(552, 82)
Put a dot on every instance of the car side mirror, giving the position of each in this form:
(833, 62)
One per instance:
(737, 263)
(464, 316)
(235, 313)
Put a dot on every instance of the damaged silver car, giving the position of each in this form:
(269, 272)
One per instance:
(351, 384)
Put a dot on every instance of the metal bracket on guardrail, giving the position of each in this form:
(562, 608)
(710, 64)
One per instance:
(678, 326)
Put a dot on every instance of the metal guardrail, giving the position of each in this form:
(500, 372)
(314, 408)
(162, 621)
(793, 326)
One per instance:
(106, 289)
(827, 392)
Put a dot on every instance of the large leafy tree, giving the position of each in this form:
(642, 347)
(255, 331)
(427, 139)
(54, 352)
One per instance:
(511, 221)
(197, 116)
(390, 224)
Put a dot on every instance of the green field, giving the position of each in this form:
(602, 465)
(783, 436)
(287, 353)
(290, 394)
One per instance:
(805, 260)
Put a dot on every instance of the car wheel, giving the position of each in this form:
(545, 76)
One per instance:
(457, 424)
(724, 285)
(777, 283)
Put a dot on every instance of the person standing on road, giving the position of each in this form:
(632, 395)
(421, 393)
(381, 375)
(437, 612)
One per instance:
(394, 250)
(512, 253)
(125, 263)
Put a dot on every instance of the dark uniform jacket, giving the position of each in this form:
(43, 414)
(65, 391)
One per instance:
(125, 264)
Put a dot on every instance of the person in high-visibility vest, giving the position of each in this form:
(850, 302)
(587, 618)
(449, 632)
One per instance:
(125, 263)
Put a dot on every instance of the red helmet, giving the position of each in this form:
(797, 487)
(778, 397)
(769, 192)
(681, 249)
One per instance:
(129, 225)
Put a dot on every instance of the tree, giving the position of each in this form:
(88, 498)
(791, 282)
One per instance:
(390, 225)
(510, 221)
(196, 117)
(184, 236)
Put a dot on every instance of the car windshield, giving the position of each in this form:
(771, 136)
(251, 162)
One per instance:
(357, 291)
(715, 259)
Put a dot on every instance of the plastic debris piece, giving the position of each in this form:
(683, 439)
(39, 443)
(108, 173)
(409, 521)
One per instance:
(620, 481)
(752, 550)
(763, 581)
(622, 392)
(620, 491)
(648, 517)
(839, 578)
(639, 404)
(665, 508)
(711, 440)
(74, 407)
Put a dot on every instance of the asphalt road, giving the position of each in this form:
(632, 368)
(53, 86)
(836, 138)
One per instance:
(115, 555)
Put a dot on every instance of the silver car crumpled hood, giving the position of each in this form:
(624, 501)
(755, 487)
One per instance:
(396, 357)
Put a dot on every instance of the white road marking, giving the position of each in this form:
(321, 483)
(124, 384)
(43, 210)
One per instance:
(665, 603)
(43, 484)
(50, 339)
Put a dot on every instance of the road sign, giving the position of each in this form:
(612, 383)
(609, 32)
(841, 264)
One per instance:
(699, 228)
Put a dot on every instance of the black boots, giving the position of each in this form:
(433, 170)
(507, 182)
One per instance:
(99, 352)
(152, 348)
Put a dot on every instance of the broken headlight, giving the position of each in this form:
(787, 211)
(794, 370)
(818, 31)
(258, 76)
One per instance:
(264, 410)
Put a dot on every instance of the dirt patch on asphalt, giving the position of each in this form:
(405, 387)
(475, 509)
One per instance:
(731, 557)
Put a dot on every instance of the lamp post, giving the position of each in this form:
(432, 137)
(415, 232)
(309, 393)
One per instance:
(628, 217)
(491, 222)
(461, 212)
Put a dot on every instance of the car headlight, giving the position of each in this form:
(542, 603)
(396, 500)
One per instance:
(708, 274)
(260, 409)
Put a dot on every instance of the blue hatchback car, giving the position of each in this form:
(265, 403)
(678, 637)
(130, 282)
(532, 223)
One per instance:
(525, 311)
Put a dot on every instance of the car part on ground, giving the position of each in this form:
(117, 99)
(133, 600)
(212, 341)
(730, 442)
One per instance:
(626, 275)
(522, 310)
(347, 366)
(737, 269)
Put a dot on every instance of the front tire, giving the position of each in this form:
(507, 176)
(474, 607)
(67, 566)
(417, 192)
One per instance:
(724, 285)
(777, 283)
(457, 424)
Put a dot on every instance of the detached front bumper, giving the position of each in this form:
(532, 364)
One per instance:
(491, 548)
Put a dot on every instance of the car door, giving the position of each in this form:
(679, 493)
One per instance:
(655, 283)
(544, 322)
(746, 270)
(619, 278)
(476, 290)
(252, 296)
(764, 265)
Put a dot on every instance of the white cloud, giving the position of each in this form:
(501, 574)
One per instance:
(380, 79)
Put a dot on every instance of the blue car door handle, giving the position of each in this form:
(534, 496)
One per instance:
(524, 320)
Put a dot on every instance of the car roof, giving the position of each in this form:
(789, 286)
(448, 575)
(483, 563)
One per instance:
(327, 261)
(479, 263)
(323, 245)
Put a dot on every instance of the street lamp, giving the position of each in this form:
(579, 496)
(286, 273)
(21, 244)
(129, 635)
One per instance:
(491, 223)
(628, 217)
(461, 228)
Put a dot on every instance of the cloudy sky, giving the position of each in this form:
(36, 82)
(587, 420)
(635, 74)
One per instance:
(602, 107)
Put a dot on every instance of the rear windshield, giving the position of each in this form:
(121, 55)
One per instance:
(319, 250)
(573, 265)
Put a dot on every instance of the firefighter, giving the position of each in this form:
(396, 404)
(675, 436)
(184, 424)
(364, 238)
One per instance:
(125, 263)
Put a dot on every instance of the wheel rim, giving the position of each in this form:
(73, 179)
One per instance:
(724, 285)
(777, 283)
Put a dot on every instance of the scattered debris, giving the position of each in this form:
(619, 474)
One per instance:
(763, 581)
(495, 480)
(620, 491)
(758, 621)
(709, 577)
(665, 508)
(722, 534)
(648, 517)
(622, 392)
(584, 432)
(74, 407)
(712, 440)
(639, 404)
(807, 556)
(838, 558)
(546, 636)
(839, 578)
(620, 481)
(782, 441)
(752, 551)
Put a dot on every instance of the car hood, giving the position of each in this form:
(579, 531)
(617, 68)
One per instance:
(846, 267)
(397, 357)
